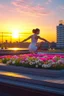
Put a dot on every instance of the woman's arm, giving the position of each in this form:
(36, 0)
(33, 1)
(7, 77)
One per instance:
(43, 39)
(27, 39)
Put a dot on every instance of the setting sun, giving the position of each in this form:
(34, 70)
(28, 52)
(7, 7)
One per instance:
(15, 34)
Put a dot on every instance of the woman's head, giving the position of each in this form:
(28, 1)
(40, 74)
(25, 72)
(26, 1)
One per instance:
(36, 31)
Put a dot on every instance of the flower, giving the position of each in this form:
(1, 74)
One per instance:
(9, 62)
(13, 62)
(60, 61)
(38, 60)
(36, 66)
(50, 61)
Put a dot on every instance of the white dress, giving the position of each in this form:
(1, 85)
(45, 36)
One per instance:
(32, 46)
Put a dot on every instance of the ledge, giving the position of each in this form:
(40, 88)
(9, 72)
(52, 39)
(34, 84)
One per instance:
(35, 80)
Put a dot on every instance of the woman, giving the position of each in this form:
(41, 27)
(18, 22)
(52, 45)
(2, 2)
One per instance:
(34, 38)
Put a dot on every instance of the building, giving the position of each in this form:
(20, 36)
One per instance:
(44, 46)
(53, 45)
(60, 35)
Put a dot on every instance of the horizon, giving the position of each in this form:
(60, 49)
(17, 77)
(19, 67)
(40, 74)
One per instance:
(24, 15)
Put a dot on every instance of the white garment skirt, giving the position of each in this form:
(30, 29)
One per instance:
(32, 47)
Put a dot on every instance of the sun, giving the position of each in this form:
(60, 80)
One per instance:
(15, 33)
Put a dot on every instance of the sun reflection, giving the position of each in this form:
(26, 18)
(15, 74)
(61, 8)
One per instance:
(11, 74)
(15, 49)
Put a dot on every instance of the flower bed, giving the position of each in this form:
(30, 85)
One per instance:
(35, 60)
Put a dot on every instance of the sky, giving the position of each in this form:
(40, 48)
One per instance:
(25, 15)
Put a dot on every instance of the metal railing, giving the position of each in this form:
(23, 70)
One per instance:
(8, 36)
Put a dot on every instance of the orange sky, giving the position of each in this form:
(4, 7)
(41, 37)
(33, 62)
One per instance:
(22, 16)
(25, 25)
(26, 30)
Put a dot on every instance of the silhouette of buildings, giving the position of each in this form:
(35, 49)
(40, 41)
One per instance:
(53, 45)
(44, 46)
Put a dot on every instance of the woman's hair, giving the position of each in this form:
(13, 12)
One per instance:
(35, 30)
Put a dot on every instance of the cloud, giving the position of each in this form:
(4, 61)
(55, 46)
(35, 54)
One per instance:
(62, 7)
(48, 2)
(28, 6)
(1, 6)
(5, 7)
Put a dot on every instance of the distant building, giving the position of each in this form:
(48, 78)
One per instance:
(60, 35)
(44, 46)
(53, 45)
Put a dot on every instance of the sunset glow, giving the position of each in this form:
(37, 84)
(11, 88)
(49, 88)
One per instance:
(15, 34)
(25, 15)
